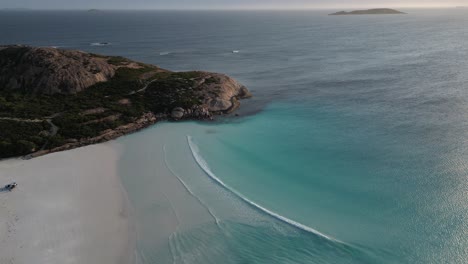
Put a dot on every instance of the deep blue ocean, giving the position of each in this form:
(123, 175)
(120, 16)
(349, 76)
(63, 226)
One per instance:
(354, 148)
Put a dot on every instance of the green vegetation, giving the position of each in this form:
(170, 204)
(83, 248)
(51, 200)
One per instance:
(118, 60)
(122, 97)
(20, 138)
(173, 90)
(211, 80)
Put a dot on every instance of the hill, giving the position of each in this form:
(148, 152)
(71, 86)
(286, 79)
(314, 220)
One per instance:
(53, 100)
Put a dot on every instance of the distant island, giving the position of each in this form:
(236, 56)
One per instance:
(93, 10)
(16, 9)
(53, 100)
(377, 11)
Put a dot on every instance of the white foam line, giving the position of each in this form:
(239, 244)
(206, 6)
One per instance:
(173, 209)
(179, 250)
(188, 188)
(204, 166)
(171, 248)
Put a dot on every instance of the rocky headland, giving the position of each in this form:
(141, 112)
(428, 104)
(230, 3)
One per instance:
(376, 11)
(53, 100)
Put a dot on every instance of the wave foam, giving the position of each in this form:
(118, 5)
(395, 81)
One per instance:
(187, 188)
(204, 166)
(100, 44)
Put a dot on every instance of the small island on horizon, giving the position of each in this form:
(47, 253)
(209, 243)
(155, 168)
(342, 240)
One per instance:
(375, 11)
(16, 9)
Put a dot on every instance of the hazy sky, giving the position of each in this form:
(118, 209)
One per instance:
(236, 4)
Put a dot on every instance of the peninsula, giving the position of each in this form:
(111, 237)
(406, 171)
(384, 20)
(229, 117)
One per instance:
(377, 11)
(53, 100)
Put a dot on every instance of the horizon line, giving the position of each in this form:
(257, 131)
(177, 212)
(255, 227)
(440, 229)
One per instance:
(221, 9)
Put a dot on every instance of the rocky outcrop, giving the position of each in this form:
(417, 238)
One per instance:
(220, 95)
(49, 70)
(220, 92)
(198, 112)
(178, 113)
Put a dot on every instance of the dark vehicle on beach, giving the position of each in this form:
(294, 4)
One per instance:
(10, 186)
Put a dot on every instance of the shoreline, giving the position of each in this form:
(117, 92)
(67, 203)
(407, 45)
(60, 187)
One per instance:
(69, 207)
(144, 122)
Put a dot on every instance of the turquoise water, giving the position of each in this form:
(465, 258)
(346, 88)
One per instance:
(354, 146)
(214, 222)
(365, 185)
(305, 184)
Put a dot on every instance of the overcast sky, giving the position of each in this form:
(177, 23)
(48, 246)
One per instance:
(217, 4)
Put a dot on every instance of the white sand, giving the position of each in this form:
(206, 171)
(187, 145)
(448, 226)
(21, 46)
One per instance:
(69, 207)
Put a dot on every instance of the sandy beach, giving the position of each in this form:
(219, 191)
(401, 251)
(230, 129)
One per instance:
(69, 207)
(182, 215)
(72, 206)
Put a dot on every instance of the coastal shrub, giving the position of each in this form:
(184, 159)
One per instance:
(25, 147)
(55, 141)
(117, 60)
(7, 149)
(20, 138)
(14, 130)
(175, 90)
(211, 80)
(17, 148)
(166, 91)
(130, 73)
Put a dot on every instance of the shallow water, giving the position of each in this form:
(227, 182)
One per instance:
(359, 133)
(212, 222)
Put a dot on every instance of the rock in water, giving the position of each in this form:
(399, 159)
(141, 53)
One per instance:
(178, 113)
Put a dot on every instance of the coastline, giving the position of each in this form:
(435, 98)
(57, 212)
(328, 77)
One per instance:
(357, 130)
(69, 207)
(145, 121)
(73, 204)
(105, 98)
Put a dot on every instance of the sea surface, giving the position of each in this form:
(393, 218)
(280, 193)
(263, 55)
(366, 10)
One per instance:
(354, 148)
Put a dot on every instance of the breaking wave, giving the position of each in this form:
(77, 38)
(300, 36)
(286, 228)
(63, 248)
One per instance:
(100, 44)
(204, 166)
